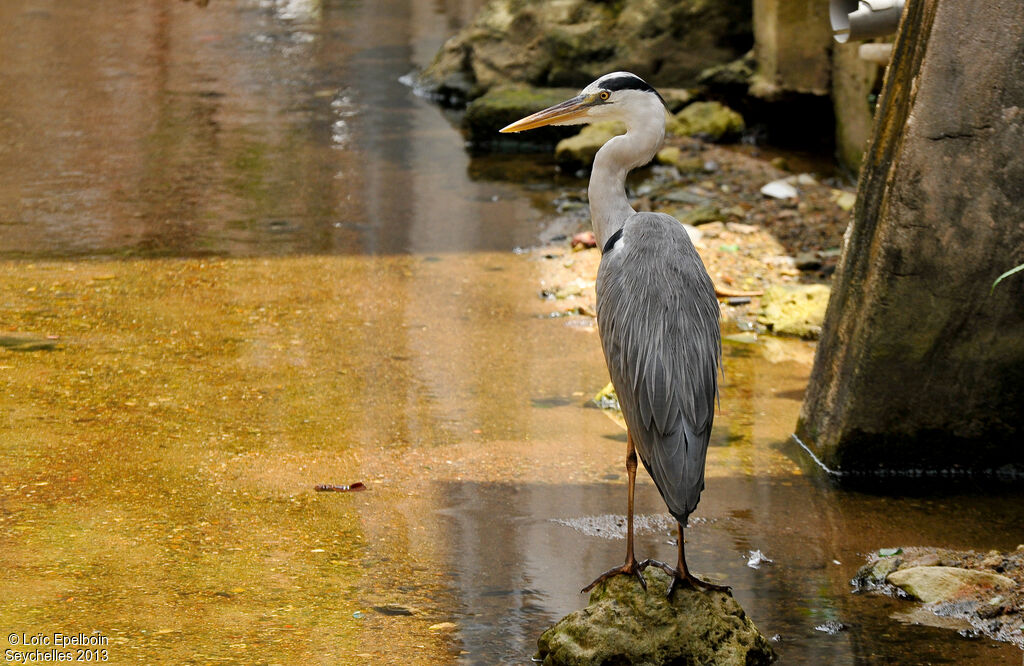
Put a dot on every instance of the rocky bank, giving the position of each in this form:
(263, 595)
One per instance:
(973, 593)
(572, 42)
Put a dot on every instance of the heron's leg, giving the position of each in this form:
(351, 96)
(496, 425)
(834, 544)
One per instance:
(631, 487)
(682, 574)
(631, 567)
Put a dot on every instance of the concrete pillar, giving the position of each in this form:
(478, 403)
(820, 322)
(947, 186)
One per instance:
(854, 84)
(919, 366)
(792, 44)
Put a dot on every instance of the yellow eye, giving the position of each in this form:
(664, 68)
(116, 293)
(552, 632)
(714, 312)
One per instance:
(604, 94)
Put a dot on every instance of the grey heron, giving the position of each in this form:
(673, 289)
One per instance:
(656, 311)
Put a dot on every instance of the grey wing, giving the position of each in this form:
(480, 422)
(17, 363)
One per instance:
(658, 319)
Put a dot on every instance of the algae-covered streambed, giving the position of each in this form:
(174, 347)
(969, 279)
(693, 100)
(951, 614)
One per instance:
(159, 461)
(159, 464)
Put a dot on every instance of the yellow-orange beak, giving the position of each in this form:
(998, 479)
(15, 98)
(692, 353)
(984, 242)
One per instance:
(570, 109)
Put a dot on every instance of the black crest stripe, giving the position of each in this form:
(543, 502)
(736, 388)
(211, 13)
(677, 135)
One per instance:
(626, 83)
(610, 243)
(629, 83)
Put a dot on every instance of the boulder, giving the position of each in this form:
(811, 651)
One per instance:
(572, 42)
(711, 121)
(701, 215)
(797, 309)
(624, 624)
(930, 584)
(504, 105)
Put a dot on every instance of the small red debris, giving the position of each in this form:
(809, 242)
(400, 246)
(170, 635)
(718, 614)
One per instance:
(583, 240)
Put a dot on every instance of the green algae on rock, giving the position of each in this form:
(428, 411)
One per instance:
(623, 624)
(707, 120)
(794, 309)
(580, 150)
(503, 106)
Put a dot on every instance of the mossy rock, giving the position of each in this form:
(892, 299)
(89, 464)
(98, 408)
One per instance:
(580, 150)
(501, 106)
(712, 121)
(624, 624)
(701, 215)
(797, 309)
(684, 161)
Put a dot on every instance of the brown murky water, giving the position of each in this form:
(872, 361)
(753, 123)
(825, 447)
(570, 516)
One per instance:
(241, 259)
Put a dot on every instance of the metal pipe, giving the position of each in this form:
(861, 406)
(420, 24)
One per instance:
(864, 19)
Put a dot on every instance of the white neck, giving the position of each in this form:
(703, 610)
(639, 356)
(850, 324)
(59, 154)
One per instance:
(645, 132)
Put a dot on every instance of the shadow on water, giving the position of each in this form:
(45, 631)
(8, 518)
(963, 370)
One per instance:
(312, 283)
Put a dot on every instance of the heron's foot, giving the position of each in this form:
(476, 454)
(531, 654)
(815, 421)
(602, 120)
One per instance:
(686, 578)
(698, 583)
(630, 568)
(661, 565)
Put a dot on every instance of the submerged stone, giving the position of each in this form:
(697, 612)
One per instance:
(27, 343)
(623, 624)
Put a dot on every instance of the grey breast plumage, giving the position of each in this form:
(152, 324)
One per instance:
(658, 320)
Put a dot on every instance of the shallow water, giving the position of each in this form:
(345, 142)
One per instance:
(242, 259)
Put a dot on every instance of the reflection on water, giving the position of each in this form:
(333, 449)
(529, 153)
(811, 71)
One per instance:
(361, 320)
(249, 127)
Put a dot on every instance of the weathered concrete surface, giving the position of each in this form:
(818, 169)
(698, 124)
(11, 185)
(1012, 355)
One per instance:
(792, 44)
(855, 83)
(797, 60)
(919, 366)
(623, 624)
(572, 42)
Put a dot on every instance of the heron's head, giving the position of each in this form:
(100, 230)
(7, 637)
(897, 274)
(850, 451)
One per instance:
(616, 96)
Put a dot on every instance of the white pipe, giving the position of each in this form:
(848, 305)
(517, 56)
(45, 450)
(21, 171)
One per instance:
(864, 19)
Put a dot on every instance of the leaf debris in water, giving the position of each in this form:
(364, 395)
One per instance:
(330, 488)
